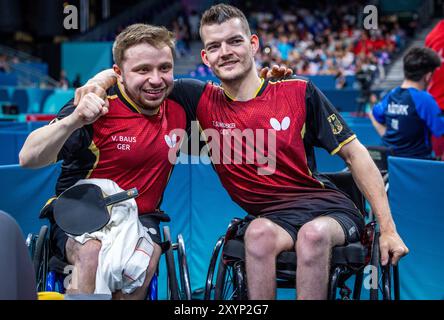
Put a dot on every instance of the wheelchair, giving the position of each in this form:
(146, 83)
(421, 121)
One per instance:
(226, 277)
(51, 273)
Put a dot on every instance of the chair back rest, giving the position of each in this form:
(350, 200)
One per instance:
(379, 155)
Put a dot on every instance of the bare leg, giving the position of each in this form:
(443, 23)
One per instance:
(313, 249)
(141, 293)
(264, 240)
(84, 258)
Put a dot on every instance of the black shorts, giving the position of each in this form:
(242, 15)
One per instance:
(352, 224)
(58, 237)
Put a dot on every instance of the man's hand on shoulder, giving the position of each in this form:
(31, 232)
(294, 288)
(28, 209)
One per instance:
(276, 72)
(97, 85)
(89, 87)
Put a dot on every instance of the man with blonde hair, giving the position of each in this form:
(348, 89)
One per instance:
(116, 139)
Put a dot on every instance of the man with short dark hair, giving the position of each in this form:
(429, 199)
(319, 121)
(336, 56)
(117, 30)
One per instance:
(407, 116)
(294, 207)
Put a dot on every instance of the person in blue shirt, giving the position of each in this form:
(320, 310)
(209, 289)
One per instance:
(407, 116)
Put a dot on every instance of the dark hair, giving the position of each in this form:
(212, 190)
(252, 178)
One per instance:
(420, 61)
(220, 13)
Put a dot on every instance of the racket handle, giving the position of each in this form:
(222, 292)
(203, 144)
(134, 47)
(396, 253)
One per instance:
(121, 196)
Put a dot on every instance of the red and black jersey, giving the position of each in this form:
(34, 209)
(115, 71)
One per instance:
(300, 117)
(126, 146)
(435, 41)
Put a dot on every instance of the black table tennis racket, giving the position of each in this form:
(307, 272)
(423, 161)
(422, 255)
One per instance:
(83, 208)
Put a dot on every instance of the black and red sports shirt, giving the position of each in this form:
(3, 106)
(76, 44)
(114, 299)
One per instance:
(125, 146)
(300, 117)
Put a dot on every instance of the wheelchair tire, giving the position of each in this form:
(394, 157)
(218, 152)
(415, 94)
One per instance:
(173, 286)
(210, 284)
(231, 283)
(390, 282)
(221, 290)
(241, 281)
(185, 282)
(40, 258)
(375, 261)
(388, 276)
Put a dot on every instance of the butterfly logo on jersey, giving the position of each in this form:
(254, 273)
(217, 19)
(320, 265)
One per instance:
(278, 126)
(171, 141)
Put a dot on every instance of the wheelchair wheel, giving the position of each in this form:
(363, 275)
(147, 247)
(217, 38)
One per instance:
(185, 283)
(40, 258)
(388, 276)
(230, 282)
(210, 282)
(173, 286)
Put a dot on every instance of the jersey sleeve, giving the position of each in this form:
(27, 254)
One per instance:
(78, 140)
(187, 93)
(325, 127)
(379, 110)
(429, 111)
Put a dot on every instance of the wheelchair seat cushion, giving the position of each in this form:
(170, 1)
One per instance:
(351, 254)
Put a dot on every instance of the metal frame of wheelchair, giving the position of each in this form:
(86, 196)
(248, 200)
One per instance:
(50, 280)
(226, 277)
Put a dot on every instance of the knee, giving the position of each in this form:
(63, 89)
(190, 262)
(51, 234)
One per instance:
(88, 255)
(260, 238)
(313, 242)
(154, 259)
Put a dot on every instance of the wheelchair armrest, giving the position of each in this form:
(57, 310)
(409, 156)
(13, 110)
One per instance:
(234, 249)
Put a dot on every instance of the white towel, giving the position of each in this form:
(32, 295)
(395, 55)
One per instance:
(126, 245)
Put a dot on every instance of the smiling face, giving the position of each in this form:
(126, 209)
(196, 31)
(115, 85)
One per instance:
(228, 50)
(146, 74)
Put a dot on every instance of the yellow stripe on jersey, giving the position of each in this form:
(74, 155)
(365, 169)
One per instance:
(260, 87)
(343, 143)
(96, 152)
(287, 80)
(49, 201)
(255, 94)
(127, 99)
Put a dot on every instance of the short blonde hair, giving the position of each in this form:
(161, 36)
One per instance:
(141, 33)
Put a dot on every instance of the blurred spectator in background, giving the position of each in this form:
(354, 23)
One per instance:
(327, 40)
(324, 41)
(364, 76)
(4, 65)
(341, 81)
(77, 83)
(181, 31)
(194, 21)
(63, 81)
(201, 71)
